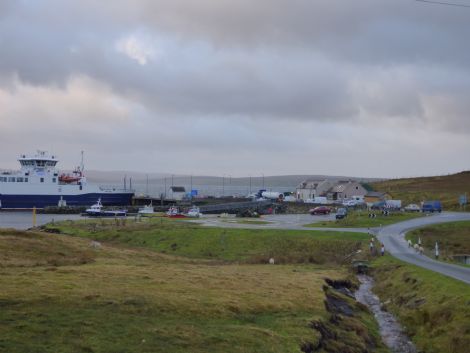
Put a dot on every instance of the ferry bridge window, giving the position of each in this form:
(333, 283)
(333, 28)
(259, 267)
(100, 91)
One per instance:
(25, 180)
(42, 180)
(11, 180)
(54, 180)
(3, 179)
(19, 180)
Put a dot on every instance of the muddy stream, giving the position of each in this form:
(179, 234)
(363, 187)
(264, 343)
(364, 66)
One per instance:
(390, 330)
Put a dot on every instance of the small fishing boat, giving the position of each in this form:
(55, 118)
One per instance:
(146, 210)
(174, 212)
(96, 210)
(194, 212)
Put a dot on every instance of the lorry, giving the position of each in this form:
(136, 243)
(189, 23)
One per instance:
(431, 206)
(393, 204)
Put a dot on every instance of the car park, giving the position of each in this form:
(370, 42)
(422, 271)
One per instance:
(320, 210)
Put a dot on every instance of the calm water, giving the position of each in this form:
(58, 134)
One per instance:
(24, 220)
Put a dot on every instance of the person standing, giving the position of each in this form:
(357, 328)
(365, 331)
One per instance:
(419, 241)
(382, 249)
(409, 243)
(371, 247)
(437, 251)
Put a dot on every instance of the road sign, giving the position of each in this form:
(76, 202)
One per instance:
(463, 200)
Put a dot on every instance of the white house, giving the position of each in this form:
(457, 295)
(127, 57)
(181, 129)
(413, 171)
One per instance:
(312, 188)
(177, 193)
(345, 190)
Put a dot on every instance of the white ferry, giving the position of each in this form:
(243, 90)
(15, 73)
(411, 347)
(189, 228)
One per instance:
(39, 184)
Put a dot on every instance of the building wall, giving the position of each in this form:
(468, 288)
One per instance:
(312, 192)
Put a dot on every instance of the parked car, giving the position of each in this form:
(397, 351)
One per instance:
(341, 213)
(432, 206)
(320, 210)
(412, 208)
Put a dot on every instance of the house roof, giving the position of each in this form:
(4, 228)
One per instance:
(343, 185)
(339, 188)
(310, 183)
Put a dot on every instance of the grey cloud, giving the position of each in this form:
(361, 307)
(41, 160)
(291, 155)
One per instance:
(239, 75)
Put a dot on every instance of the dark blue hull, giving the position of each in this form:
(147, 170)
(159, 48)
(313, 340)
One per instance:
(41, 201)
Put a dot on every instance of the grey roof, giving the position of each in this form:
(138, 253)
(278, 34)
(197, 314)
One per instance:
(310, 183)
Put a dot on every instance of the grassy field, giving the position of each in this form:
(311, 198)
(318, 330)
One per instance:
(414, 190)
(433, 308)
(360, 219)
(241, 245)
(453, 239)
(166, 287)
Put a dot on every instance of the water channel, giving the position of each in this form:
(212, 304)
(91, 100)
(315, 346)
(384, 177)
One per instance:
(390, 330)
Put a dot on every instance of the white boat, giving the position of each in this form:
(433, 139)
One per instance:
(39, 184)
(194, 212)
(146, 210)
(96, 210)
(174, 212)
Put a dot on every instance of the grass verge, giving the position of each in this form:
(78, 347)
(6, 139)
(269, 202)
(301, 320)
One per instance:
(434, 309)
(453, 239)
(360, 219)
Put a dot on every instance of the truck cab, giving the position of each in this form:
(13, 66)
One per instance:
(431, 206)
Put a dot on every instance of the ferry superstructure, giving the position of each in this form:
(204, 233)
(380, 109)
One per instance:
(39, 184)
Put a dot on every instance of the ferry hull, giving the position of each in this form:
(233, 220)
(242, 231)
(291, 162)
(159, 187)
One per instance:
(42, 201)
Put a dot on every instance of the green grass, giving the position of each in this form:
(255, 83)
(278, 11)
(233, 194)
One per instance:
(246, 245)
(58, 294)
(247, 221)
(433, 308)
(453, 239)
(360, 219)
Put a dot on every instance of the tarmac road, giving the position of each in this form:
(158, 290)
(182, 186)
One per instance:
(393, 237)
(281, 221)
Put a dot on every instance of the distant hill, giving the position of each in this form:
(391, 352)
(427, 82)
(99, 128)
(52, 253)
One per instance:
(446, 188)
(272, 181)
(206, 185)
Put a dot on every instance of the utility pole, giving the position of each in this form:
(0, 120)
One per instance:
(191, 188)
(164, 180)
(147, 186)
(263, 180)
(250, 184)
(223, 185)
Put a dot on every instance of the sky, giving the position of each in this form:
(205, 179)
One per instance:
(371, 88)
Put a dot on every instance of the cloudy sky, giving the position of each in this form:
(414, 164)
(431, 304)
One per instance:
(377, 88)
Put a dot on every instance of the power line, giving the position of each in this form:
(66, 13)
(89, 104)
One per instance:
(444, 3)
